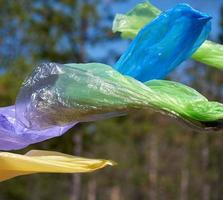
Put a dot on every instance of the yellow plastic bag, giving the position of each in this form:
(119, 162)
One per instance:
(37, 161)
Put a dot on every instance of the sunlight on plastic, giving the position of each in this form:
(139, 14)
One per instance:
(38, 161)
(129, 24)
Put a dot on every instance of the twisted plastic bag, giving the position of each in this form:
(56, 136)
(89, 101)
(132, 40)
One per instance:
(37, 161)
(56, 95)
(164, 43)
(129, 25)
(13, 135)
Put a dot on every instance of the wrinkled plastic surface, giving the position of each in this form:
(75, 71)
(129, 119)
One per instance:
(210, 53)
(56, 94)
(85, 92)
(13, 135)
(37, 161)
(164, 43)
(129, 25)
(55, 97)
(185, 102)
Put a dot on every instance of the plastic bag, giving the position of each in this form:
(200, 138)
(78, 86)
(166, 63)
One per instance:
(129, 24)
(164, 43)
(37, 161)
(74, 93)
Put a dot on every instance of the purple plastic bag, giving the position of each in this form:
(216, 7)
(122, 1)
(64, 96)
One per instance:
(15, 136)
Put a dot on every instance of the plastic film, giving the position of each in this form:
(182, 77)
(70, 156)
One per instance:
(129, 24)
(86, 92)
(164, 43)
(37, 161)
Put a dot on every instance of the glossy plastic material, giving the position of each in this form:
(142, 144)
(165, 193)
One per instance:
(13, 135)
(72, 93)
(164, 43)
(130, 23)
(37, 161)
(55, 97)
(210, 53)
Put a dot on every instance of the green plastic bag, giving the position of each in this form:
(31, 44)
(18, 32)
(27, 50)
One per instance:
(58, 94)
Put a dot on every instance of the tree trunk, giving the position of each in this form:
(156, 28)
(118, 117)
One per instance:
(184, 176)
(91, 189)
(205, 162)
(153, 166)
(76, 178)
(115, 193)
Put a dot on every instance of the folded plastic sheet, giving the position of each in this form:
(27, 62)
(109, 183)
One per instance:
(129, 24)
(210, 53)
(56, 95)
(164, 43)
(13, 135)
(186, 103)
(37, 161)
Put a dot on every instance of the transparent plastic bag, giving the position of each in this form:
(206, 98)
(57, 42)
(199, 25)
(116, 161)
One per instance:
(57, 94)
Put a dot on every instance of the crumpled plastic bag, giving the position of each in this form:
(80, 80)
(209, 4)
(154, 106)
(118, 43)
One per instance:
(129, 25)
(13, 135)
(56, 95)
(37, 161)
(164, 43)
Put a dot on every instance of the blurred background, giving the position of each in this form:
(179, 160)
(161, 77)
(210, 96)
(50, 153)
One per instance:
(158, 157)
